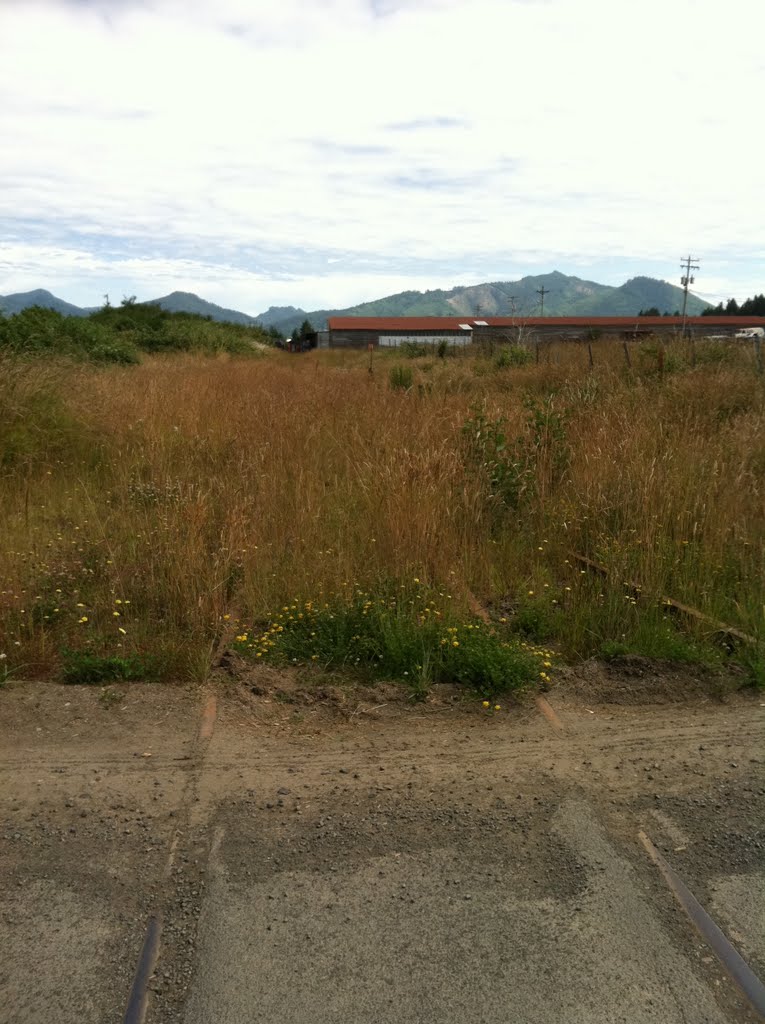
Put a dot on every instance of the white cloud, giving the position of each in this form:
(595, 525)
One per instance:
(213, 136)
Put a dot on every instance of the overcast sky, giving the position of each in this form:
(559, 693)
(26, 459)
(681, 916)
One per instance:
(323, 152)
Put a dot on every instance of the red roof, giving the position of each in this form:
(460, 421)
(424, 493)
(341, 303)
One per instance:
(397, 323)
(452, 323)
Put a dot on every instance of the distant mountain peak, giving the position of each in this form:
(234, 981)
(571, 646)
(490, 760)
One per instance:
(188, 302)
(565, 295)
(179, 295)
(10, 304)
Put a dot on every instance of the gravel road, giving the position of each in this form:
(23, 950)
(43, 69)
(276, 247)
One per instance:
(361, 860)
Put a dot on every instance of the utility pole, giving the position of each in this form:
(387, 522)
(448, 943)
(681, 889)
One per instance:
(542, 292)
(511, 336)
(688, 264)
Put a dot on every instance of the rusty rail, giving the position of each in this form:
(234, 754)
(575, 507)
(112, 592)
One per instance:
(669, 602)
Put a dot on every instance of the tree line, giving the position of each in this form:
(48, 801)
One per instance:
(654, 311)
(750, 307)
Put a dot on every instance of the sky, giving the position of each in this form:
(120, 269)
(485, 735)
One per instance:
(320, 153)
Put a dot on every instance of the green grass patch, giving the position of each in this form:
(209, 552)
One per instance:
(402, 635)
(752, 660)
(662, 641)
(90, 668)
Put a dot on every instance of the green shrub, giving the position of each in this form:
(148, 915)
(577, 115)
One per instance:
(414, 349)
(536, 620)
(36, 330)
(394, 636)
(516, 469)
(512, 355)
(118, 334)
(123, 355)
(33, 330)
(401, 378)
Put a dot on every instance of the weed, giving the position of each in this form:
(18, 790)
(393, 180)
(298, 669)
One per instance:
(534, 462)
(655, 358)
(401, 378)
(107, 698)
(512, 355)
(662, 641)
(414, 349)
(714, 353)
(87, 667)
(394, 634)
(536, 620)
(507, 472)
(752, 661)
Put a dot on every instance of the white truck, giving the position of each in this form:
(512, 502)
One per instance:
(750, 333)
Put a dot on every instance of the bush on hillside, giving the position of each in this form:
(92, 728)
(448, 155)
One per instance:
(119, 334)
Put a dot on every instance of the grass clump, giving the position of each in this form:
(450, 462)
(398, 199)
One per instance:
(664, 643)
(512, 355)
(402, 635)
(401, 378)
(753, 663)
(91, 668)
(415, 349)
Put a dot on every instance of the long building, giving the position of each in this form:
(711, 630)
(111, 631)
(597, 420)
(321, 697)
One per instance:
(389, 332)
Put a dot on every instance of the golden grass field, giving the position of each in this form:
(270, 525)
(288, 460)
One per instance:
(141, 506)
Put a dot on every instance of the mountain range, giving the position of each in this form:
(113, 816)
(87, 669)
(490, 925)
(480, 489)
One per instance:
(563, 296)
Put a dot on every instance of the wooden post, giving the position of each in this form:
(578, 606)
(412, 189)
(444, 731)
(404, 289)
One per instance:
(758, 354)
(589, 350)
(627, 359)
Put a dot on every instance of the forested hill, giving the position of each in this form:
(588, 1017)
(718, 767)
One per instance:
(563, 295)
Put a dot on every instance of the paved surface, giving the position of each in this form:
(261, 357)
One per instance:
(383, 866)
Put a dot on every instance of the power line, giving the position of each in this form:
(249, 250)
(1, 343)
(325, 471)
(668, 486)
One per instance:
(542, 292)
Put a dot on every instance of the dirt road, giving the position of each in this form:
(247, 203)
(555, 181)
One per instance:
(322, 859)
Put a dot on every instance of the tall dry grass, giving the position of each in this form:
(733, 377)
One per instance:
(140, 506)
